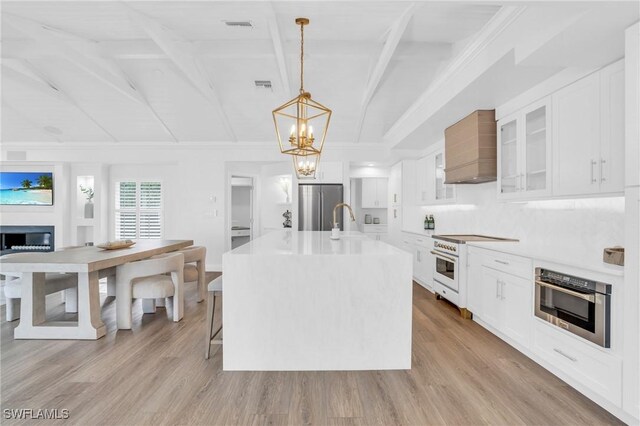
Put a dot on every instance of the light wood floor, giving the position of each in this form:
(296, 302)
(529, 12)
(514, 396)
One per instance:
(156, 374)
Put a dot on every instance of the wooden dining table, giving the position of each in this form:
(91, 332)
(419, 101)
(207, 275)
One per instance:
(91, 264)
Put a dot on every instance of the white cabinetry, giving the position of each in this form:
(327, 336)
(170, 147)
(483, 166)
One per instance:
(600, 372)
(394, 213)
(501, 292)
(375, 232)
(588, 122)
(524, 153)
(329, 172)
(420, 247)
(374, 193)
(430, 185)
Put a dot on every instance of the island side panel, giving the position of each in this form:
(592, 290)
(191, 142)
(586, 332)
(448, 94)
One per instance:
(318, 312)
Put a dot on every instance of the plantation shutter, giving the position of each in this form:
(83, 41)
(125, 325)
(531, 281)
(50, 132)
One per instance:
(138, 210)
(150, 205)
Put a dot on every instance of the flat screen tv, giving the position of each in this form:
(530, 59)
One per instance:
(26, 188)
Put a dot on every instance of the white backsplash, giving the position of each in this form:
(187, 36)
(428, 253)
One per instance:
(584, 226)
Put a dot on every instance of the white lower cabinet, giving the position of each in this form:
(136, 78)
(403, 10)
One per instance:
(506, 304)
(598, 371)
(420, 247)
(501, 297)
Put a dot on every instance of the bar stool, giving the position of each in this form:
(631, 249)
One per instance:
(215, 289)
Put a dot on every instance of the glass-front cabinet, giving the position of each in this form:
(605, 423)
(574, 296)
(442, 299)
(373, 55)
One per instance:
(524, 153)
(443, 192)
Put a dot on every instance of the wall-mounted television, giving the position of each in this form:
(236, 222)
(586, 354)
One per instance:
(26, 188)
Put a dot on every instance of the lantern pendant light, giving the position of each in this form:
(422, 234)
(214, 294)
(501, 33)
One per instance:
(302, 122)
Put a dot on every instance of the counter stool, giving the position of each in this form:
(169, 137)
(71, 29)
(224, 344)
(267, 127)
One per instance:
(215, 289)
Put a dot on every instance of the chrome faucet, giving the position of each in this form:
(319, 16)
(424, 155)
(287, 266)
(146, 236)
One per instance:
(335, 209)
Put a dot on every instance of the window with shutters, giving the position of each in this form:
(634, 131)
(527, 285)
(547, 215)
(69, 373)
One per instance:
(138, 210)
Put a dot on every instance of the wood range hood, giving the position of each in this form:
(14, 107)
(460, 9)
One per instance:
(470, 149)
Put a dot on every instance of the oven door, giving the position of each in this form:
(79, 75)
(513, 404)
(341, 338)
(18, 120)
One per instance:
(445, 269)
(584, 314)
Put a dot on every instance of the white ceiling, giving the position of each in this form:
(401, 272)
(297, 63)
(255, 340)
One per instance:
(173, 72)
(342, 47)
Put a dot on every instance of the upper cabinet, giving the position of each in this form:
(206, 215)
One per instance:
(524, 153)
(430, 178)
(588, 118)
(329, 172)
(374, 193)
(568, 144)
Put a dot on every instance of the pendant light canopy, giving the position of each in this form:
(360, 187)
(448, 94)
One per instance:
(302, 122)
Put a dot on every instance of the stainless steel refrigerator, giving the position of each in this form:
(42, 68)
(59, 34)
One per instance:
(315, 206)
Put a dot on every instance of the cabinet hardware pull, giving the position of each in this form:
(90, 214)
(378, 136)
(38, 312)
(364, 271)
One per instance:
(497, 289)
(501, 261)
(602, 163)
(395, 213)
(565, 355)
(593, 165)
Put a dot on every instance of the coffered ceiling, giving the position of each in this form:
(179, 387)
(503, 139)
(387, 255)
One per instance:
(394, 73)
(78, 72)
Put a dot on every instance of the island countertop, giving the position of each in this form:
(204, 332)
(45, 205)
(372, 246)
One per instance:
(297, 300)
(289, 242)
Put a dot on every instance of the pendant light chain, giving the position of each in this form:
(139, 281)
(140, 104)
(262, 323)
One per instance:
(301, 58)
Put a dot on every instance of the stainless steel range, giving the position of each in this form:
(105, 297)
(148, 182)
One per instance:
(450, 267)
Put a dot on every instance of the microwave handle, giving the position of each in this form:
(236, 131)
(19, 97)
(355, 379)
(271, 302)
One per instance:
(588, 297)
(435, 253)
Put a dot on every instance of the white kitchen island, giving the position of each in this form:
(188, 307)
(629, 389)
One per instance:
(297, 300)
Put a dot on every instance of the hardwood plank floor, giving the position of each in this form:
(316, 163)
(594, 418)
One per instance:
(156, 374)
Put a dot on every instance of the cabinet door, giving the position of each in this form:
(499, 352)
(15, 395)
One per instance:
(474, 283)
(329, 172)
(491, 302)
(611, 167)
(422, 179)
(395, 184)
(517, 306)
(536, 155)
(369, 193)
(442, 192)
(508, 169)
(576, 134)
(381, 193)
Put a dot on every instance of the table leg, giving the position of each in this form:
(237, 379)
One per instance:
(32, 303)
(201, 266)
(33, 324)
(89, 321)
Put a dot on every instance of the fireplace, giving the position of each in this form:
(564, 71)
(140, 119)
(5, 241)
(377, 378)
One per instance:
(18, 239)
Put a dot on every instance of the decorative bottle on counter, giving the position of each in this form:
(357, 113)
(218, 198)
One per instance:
(432, 222)
(426, 222)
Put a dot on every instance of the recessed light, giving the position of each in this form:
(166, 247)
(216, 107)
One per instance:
(370, 164)
(53, 130)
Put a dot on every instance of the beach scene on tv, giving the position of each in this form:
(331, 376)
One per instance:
(26, 188)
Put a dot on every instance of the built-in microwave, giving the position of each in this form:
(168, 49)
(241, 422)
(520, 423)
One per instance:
(578, 305)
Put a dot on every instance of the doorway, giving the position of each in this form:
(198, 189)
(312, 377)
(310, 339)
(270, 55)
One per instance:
(242, 202)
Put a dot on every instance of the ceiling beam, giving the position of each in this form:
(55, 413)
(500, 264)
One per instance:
(391, 43)
(50, 39)
(54, 87)
(278, 49)
(181, 52)
(466, 65)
